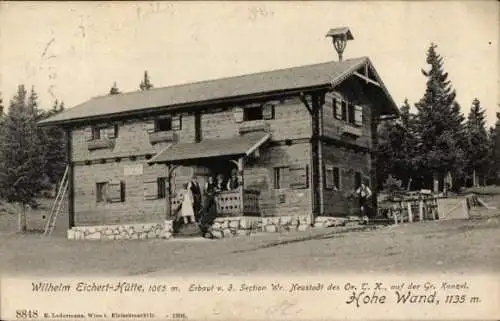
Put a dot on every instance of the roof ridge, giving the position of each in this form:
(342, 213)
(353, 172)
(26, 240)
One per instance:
(227, 78)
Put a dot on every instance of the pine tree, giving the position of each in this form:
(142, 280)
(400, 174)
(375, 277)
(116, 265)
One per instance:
(1, 106)
(477, 138)
(114, 90)
(146, 83)
(21, 155)
(494, 152)
(439, 125)
(54, 142)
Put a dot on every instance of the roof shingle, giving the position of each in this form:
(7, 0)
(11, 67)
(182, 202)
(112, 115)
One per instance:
(239, 145)
(205, 91)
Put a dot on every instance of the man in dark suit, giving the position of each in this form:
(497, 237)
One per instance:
(194, 186)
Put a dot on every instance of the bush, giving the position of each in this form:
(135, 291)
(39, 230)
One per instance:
(392, 184)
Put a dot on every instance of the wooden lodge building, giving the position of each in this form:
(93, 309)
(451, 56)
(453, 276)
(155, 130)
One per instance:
(300, 138)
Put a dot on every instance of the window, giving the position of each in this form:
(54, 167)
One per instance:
(350, 113)
(162, 187)
(110, 192)
(357, 179)
(358, 115)
(343, 114)
(101, 192)
(163, 124)
(252, 113)
(295, 176)
(336, 110)
(100, 132)
(332, 177)
(280, 177)
(336, 178)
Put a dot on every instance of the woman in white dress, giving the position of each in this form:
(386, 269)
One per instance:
(187, 211)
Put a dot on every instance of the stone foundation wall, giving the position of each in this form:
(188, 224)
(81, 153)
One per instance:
(222, 227)
(235, 226)
(286, 223)
(141, 231)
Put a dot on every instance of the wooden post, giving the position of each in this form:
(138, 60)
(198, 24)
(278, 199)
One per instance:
(410, 214)
(241, 165)
(168, 211)
(421, 210)
(434, 208)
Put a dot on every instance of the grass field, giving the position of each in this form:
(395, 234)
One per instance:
(434, 246)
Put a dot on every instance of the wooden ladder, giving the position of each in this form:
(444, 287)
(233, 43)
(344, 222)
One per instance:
(56, 206)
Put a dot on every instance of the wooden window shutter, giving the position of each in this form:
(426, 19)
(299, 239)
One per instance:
(115, 192)
(338, 109)
(88, 133)
(150, 126)
(299, 177)
(176, 123)
(358, 115)
(268, 111)
(329, 177)
(151, 189)
(238, 114)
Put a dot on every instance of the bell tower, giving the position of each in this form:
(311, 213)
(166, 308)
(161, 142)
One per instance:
(340, 36)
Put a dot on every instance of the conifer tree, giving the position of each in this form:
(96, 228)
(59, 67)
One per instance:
(494, 152)
(21, 155)
(1, 106)
(114, 90)
(477, 138)
(439, 125)
(54, 142)
(146, 83)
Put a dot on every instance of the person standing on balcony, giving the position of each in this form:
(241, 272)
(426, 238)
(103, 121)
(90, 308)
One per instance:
(233, 182)
(219, 185)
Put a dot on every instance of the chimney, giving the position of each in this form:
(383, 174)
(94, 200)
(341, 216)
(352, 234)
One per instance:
(340, 36)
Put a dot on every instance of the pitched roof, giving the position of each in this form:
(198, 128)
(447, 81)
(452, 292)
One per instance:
(239, 145)
(209, 91)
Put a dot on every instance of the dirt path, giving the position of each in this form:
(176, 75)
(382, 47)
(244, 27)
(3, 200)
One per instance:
(446, 246)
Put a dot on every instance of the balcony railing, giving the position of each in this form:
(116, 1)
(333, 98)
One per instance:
(350, 130)
(254, 126)
(101, 143)
(160, 137)
(240, 202)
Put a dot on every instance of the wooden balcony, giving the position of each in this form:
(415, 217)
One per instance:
(240, 202)
(160, 137)
(102, 143)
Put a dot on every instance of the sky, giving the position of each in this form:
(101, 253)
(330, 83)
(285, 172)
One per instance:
(72, 51)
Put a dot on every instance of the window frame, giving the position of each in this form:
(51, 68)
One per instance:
(337, 178)
(101, 192)
(158, 121)
(279, 178)
(246, 113)
(162, 187)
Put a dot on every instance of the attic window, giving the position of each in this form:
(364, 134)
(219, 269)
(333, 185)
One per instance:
(252, 113)
(163, 124)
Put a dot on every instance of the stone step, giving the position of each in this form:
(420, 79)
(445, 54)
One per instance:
(188, 230)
